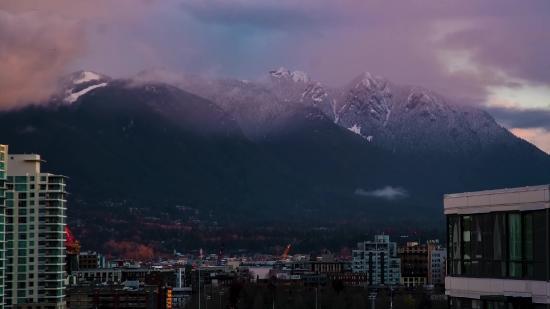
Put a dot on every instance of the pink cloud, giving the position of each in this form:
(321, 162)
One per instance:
(538, 137)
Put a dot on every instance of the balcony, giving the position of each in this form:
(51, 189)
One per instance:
(55, 197)
(56, 180)
(56, 188)
(56, 229)
(54, 204)
(53, 270)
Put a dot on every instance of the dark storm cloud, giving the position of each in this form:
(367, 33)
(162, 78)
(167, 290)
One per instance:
(529, 118)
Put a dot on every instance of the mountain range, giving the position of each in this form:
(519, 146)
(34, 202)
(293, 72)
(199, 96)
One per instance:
(283, 146)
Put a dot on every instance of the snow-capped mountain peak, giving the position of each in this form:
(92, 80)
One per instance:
(281, 73)
(86, 76)
(300, 76)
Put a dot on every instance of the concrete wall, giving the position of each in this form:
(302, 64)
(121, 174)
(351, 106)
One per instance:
(475, 287)
(522, 199)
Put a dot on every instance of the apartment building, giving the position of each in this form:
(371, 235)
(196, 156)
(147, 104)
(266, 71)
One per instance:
(438, 256)
(3, 175)
(498, 248)
(414, 263)
(35, 238)
(378, 260)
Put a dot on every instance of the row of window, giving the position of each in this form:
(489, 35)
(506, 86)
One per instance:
(26, 187)
(498, 245)
(23, 179)
(25, 195)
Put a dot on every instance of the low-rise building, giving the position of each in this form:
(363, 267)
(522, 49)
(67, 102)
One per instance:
(118, 297)
(87, 260)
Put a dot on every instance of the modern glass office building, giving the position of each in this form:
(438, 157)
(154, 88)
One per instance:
(498, 244)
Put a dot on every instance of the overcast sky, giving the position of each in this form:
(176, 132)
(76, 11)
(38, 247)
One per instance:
(491, 53)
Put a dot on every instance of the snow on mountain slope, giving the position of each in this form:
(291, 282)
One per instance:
(403, 119)
(74, 96)
(86, 76)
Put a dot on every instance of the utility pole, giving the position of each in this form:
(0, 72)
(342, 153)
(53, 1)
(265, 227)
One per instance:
(199, 288)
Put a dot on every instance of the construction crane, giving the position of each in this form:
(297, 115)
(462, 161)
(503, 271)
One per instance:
(71, 244)
(283, 259)
(220, 255)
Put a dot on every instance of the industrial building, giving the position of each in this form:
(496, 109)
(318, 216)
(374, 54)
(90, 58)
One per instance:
(498, 248)
(378, 260)
(35, 236)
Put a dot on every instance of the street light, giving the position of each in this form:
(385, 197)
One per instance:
(316, 298)
(391, 297)
(221, 294)
(207, 299)
(372, 298)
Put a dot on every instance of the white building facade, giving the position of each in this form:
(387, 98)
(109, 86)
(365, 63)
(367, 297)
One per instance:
(438, 256)
(378, 260)
(35, 235)
(498, 249)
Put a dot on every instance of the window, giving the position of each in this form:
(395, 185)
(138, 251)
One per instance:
(22, 212)
(42, 178)
(21, 187)
(31, 187)
(31, 202)
(31, 194)
(42, 187)
(498, 245)
(22, 196)
(20, 179)
(31, 178)
(22, 203)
